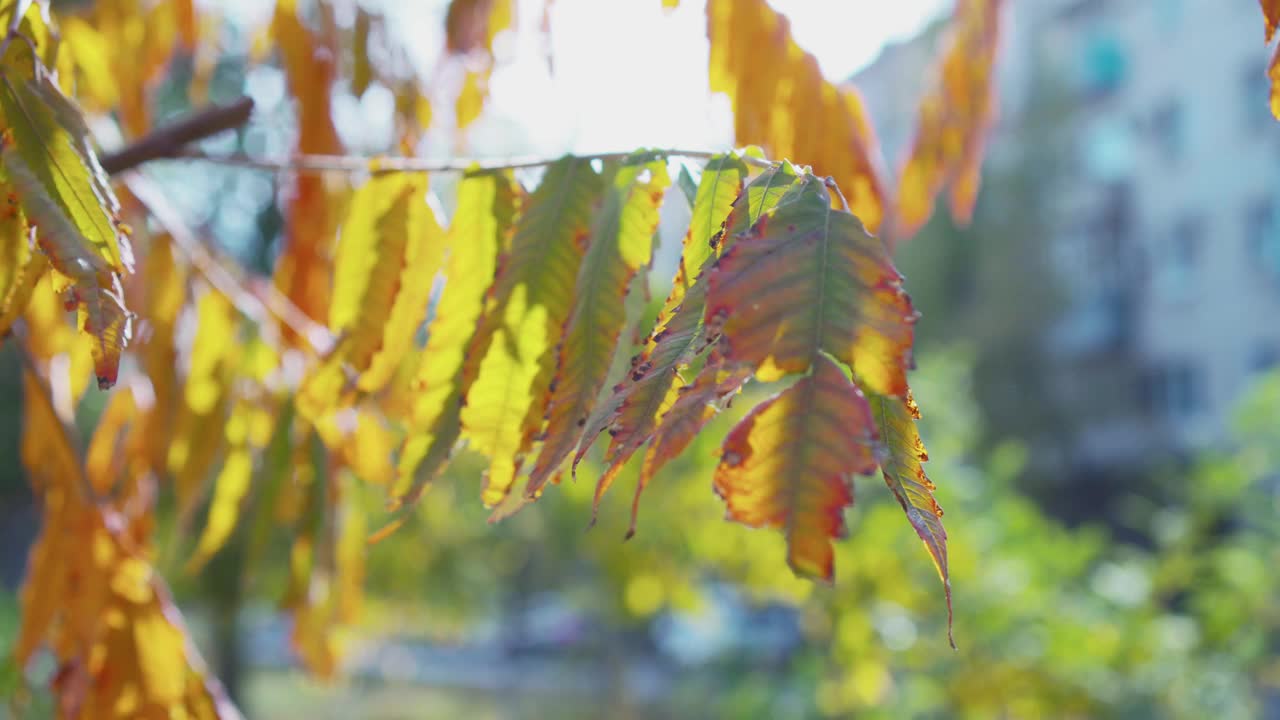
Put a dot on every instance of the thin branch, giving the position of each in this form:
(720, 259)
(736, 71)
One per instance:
(169, 140)
(830, 182)
(382, 165)
(222, 279)
(172, 142)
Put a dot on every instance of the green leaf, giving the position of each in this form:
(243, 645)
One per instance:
(54, 156)
(631, 412)
(903, 470)
(621, 242)
(532, 300)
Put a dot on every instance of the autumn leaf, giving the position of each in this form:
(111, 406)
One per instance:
(621, 242)
(45, 159)
(164, 282)
(112, 451)
(531, 301)
(20, 266)
(789, 464)
(633, 409)
(722, 181)
(198, 434)
(1271, 12)
(955, 115)
(690, 408)
(903, 470)
(781, 101)
(807, 278)
(478, 234)
(304, 271)
(63, 192)
(470, 28)
(229, 491)
(389, 251)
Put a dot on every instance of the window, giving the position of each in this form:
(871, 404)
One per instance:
(1103, 65)
(1262, 237)
(1176, 261)
(1108, 150)
(1255, 95)
(1169, 129)
(1175, 390)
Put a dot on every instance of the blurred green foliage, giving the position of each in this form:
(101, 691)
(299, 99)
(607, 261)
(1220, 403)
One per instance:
(1051, 621)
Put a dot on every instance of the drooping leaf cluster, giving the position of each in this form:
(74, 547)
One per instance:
(391, 333)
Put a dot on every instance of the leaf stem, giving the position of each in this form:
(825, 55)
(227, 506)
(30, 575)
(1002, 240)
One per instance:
(381, 165)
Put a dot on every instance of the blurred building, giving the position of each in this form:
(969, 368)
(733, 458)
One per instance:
(1166, 217)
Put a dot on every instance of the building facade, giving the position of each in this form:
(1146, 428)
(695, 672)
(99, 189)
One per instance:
(1166, 217)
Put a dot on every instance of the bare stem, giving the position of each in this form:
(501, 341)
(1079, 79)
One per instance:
(173, 142)
(170, 140)
(382, 165)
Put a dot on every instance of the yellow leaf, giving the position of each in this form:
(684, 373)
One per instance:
(531, 302)
(229, 492)
(108, 456)
(479, 232)
(621, 242)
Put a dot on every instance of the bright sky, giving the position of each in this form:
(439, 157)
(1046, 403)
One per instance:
(628, 73)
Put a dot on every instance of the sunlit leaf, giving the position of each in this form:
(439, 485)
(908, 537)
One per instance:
(60, 186)
(20, 267)
(53, 156)
(621, 242)
(229, 491)
(198, 435)
(108, 455)
(808, 278)
(632, 411)
(790, 463)
(1271, 12)
(954, 118)
(479, 231)
(164, 283)
(781, 101)
(389, 251)
(691, 408)
(903, 470)
(532, 300)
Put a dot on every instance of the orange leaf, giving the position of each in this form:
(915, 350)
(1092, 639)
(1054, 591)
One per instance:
(303, 272)
(954, 117)
(790, 463)
(1271, 12)
(781, 101)
(108, 455)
